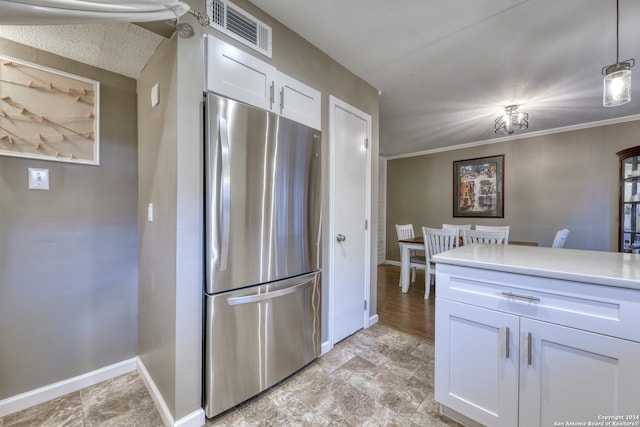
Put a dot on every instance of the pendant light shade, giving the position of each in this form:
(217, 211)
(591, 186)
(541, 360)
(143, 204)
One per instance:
(617, 84)
(617, 77)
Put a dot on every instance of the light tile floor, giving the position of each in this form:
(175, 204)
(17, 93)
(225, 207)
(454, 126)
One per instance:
(376, 377)
(120, 401)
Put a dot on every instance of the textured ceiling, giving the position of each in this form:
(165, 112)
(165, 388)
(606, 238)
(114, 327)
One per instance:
(122, 48)
(447, 69)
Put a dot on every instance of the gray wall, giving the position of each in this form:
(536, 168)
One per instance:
(170, 269)
(157, 169)
(170, 141)
(68, 256)
(565, 180)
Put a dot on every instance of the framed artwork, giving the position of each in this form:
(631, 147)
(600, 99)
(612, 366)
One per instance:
(478, 187)
(47, 114)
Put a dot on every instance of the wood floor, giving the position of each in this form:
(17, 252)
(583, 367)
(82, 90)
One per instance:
(409, 312)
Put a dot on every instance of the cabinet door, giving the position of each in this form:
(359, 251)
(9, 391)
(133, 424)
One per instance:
(238, 75)
(476, 371)
(574, 375)
(299, 102)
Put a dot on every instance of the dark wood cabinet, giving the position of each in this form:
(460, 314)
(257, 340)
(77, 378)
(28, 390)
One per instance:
(629, 234)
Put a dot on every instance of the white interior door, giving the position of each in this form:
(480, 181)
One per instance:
(350, 212)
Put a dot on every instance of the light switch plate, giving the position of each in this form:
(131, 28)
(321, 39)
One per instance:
(38, 179)
(155, 95)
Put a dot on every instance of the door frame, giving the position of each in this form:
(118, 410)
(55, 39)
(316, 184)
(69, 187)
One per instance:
(335, 103)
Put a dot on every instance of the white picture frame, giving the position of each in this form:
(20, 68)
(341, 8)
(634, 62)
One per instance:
(48, 114)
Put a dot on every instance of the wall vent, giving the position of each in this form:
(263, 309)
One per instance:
(240, 25)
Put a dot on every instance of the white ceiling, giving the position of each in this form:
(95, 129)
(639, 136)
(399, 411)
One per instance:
(447, 69)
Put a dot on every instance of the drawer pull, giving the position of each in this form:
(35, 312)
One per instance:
(529, 348)
(507, 352)
(526, 297)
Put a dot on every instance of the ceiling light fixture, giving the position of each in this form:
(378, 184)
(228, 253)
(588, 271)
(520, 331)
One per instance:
(617, 77)
(511, 121)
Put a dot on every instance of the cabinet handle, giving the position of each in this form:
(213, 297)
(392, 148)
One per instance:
(525, 297)
(271, 95)
(507, 352)
(281, 100)
(529, 348)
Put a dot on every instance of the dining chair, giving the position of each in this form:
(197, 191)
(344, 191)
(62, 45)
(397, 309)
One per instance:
(498, 237)
(496, 228)
(416, 262)
(435, 241)
(458, 226)
(561, 237)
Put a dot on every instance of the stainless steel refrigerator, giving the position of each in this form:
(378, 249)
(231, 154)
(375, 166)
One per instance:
(262, 290)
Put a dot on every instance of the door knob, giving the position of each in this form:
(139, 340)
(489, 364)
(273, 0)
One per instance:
(341, 238)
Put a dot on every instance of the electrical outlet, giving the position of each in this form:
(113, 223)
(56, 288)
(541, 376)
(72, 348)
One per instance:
(38, 179)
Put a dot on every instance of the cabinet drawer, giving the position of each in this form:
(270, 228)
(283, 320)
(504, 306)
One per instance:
(603, 309)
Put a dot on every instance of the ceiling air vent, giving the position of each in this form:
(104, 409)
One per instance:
(238, 24)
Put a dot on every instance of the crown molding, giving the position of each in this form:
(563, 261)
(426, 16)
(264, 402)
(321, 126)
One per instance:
(520, 136)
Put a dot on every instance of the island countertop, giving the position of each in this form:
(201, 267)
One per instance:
(602, 268)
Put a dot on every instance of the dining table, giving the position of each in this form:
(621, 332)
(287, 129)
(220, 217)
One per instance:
(417, 243)
(406, 246)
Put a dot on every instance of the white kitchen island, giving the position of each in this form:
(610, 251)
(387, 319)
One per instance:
(529, 336)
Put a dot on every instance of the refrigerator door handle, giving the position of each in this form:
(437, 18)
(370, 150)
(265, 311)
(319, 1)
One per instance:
(269, 295)
(225, 194)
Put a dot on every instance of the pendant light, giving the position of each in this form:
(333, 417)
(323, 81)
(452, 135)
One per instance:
(617, 77)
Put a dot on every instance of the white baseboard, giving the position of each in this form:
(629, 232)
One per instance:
(325, 347)
(392, 262)
(43, 394)
(372, 320)
(53, 391)
(195, 419)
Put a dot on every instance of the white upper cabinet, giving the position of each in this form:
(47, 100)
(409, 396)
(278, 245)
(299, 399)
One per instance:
(239, 75)
(299, 102)
(234, 73)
